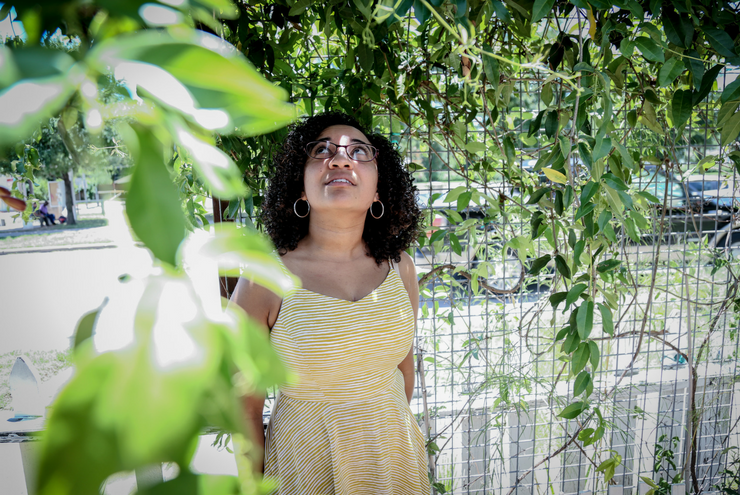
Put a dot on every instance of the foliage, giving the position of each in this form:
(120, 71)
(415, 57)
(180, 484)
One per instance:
(479, 87)
(145, 404)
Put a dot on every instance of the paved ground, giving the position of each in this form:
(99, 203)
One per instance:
(47, 288)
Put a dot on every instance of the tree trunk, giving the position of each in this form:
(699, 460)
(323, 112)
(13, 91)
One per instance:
(67, 177)
(69, 198)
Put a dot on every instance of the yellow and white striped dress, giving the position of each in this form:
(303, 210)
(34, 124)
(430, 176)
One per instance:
(345, 427)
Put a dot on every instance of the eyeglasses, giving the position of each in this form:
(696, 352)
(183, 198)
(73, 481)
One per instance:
(359, 152)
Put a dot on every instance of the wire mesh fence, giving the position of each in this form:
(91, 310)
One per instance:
(492, 378)
(665, 381)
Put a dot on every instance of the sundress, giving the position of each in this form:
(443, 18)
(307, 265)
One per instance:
(344, 425)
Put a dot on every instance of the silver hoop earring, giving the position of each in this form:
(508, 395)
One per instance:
(295, 210)
(382, 210)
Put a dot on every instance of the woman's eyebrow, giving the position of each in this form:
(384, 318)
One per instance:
(359, 141)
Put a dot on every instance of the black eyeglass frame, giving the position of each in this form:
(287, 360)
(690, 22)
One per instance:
(312, 144)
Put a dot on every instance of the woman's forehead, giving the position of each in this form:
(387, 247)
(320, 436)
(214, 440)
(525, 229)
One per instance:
(336, 132)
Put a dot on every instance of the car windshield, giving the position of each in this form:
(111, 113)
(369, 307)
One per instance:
(655, 184)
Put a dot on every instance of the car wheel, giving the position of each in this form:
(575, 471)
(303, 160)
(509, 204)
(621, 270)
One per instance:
(499, 272)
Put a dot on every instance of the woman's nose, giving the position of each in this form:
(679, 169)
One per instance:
(340, 159)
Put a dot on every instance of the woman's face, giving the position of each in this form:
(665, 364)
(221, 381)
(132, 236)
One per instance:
(340, 183)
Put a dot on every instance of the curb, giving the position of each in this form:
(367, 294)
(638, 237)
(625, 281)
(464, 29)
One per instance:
(50, 249)
(40, 231)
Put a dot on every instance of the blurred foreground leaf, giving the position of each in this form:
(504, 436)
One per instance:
(153, 203)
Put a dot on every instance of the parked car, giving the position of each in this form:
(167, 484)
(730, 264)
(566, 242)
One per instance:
(481, 244)
(695, 206)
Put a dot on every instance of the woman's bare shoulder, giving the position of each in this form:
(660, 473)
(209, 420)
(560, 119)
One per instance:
(407, 270)
(258, 302)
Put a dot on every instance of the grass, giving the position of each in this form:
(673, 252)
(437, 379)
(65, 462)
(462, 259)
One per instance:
(84, 223)
(48, 364)
(58, 235)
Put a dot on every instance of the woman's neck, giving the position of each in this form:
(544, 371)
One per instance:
(336, 239)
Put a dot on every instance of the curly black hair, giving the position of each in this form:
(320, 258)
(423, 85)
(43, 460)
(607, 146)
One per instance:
(385, 238)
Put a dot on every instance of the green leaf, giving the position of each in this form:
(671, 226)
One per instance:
(641, 222)
(582, 382)
(588, 191)
(365, 55)
(648, 196)
(215, 167)
(541, 8)
(546, 93)
(608, 265)
(564, 332)
(536, 123)
(585, 319)
(501, 11)
(571, 343)
(578, 251)
(670, 71)
(299, 7)
(720, 41)
(490, 65)
(632, 118)
(731, 129)
(604, 218)
(631, 229)
(28, 104)
(726, 111)
(86, 326)
(731, 91)
(421, 12)
(580, 358)
(551, 123)
(562, 266)
(4, 11)
(537, 195)
(153, 202)
(574, 293)
(199, 75)
(539, 264)
(573, 410)
(706, 83)
(455, 244)
(650, 49)
(606, 319)
(245, 252)
(595, 354)
(557, 298)
(614, 182)
(602, 147)
(475, 147)
(609, 466)
(627, 159)
(681, 106)
(584, 210)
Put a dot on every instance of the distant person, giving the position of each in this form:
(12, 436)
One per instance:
(44, 215)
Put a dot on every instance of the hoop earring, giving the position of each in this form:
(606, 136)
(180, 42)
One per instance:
(295, 210)
(382, 210)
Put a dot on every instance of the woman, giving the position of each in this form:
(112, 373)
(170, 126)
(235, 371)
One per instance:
(341, 210)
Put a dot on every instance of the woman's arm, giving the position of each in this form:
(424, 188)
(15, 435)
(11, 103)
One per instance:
(263, 306)
(407, 270)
